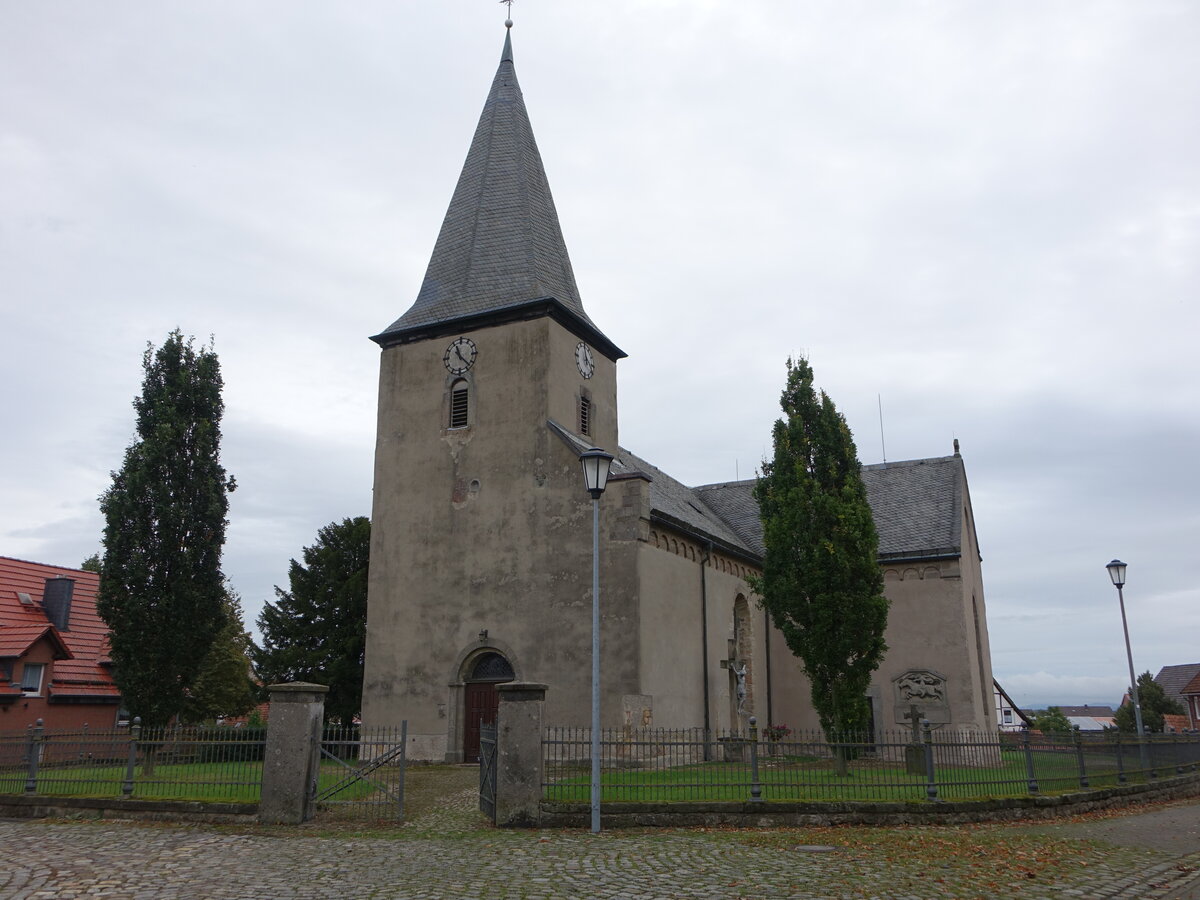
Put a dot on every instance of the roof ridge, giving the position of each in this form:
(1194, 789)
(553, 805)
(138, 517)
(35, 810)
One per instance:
(892, 464)
(40, 565)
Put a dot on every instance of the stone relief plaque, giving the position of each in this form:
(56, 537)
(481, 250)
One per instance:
(638, 710)
(924, 689)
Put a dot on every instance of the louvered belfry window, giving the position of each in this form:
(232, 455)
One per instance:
(459, 397)
(585, 415)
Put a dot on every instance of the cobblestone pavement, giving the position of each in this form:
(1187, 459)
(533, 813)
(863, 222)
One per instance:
(446, 851)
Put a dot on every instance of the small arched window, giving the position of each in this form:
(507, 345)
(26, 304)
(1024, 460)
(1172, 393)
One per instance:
(492, 667)
(460, 397)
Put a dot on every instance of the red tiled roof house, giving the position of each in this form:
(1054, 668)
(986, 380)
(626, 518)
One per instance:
(54, 663)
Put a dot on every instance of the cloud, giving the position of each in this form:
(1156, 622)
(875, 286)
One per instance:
(985, 222)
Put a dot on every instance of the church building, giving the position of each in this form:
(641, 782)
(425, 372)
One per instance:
(491, 385)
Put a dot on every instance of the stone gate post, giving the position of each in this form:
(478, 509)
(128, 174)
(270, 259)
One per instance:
(519, 754)
(293, 752)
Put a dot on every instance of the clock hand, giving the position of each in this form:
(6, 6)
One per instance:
(458, 353)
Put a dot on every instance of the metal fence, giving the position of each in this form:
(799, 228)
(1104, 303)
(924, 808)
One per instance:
(694, 765)
(207, 763)
(361, 773)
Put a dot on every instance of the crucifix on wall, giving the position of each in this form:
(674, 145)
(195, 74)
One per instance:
(740, 670)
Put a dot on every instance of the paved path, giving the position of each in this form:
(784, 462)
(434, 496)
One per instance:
(1171, 828)
(445, 851)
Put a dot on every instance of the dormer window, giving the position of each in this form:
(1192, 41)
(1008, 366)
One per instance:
(460, 399)
(31, 679)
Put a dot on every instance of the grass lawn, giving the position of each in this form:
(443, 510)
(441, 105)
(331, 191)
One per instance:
(229, 782)
(808, 779)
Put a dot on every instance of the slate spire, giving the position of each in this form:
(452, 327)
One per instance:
(500, 253)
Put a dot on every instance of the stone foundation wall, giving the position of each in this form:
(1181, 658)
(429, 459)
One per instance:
(17, 806)
(784, 815)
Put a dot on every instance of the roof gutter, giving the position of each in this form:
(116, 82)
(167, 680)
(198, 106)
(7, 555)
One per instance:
(920, 555)
(527, 309)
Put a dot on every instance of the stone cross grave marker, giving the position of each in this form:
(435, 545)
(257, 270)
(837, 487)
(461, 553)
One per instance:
(914, 753)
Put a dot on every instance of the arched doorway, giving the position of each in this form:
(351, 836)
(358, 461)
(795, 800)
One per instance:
(481, 699)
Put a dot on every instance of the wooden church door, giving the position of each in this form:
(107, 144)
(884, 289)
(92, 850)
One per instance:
(482, 700)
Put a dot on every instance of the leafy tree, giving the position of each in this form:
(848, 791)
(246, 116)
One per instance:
(1052, 721)
(1155, 704)
(317, 630)
(92, 564)
(223, 686)
(162, 593)
(821, 582)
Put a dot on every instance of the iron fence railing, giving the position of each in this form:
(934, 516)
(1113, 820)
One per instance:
(208, 763)
(694, 765)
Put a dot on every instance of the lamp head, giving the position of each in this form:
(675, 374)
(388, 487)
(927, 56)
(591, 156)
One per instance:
(1116, 571)
(596, 465)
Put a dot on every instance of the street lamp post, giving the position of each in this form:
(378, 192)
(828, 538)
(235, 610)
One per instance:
(1116, 571)
(596, 464)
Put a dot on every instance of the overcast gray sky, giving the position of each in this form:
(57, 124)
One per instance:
(982, 216)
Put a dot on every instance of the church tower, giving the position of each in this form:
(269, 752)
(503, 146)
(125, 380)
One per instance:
(489, 384)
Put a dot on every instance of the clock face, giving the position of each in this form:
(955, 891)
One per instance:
(584, 359)
(460, 356)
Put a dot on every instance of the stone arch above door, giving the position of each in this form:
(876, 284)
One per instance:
(477, 670)
(464, 663)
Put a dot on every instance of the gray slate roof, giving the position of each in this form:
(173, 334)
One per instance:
(686, 506)
(668, 497)
(916, 505)
(500, 246)
(1103, 712)
(1173, 679)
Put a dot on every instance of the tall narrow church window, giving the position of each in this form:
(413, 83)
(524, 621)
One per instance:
(459, 403)
(585, 414)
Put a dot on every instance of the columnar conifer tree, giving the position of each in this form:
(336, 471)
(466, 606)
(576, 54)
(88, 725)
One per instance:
(821, 582)
(317, 630)
(161, 587)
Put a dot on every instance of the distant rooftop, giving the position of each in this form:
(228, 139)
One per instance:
(1173, 679)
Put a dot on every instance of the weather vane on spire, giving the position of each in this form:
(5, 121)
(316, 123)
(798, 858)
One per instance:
(508, 21)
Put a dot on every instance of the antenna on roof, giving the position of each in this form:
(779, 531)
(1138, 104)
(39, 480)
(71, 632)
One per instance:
(882, 444)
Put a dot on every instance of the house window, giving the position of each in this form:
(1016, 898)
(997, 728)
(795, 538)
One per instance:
(1008, 717)
(459, 403)
(585, 415)
(31, 678)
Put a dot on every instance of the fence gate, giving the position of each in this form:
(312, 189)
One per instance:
(361, 773)
(487, 770)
